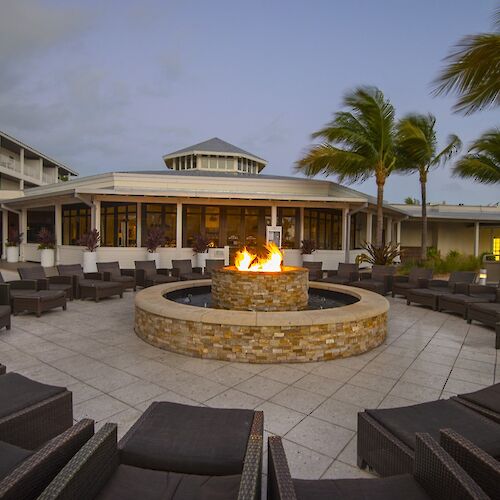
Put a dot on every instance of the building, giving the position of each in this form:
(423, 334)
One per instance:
(23, 167)
(469, 229)
(214, 189)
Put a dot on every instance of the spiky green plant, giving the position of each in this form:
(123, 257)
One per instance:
(379, 255)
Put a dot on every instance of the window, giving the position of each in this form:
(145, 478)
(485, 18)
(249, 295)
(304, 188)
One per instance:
(75, 223)
(37, 218)
(358, 230)
(496, 248)
(324, 227)
(289, 220)
(118, 224)
(160, 215)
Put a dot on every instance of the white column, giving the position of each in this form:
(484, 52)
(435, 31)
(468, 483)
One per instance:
(95, 215)
(345, 215)
(57, 174)
(388, 236)
(139, 225)
(398, 233)
(23, 219)
(41, 169)
(178, 236)
(369, 227)
(21, 161)
(476, 239)
(301, 230)
(274, 215)
(5, 231)
(58, 229)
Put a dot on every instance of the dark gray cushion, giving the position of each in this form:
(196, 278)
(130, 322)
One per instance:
(429, 292)
(488, 308)
(10, 457)
(4, 311)
(189, 439)
(44, 295)
(192, 276)
(161, 278)
(380, 272)
(387, 488)
(70, 270)
(488, 397)
(431, 417)
(184, 266)
(18, 392)
(97, 284)
(336, 279)
(132, 483)
(31, 273)
(113, 268)
(459, 298)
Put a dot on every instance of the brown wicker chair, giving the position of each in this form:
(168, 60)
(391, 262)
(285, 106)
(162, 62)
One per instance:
(429, 295)
(211, 265)
(5, 309)
(487, 313)
(436, 475)
(26, 473)
(59, 283)
(418, 278)
(481, 467)
(460, 302)
(184, 270)
(148, 275)
(89, 285)
(175, 445)
(485, 401)
(315, 270)
(111, 272)
(345, 274)
(31, 413)
(379, 281)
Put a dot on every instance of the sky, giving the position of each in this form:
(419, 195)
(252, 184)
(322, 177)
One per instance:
(114, 85)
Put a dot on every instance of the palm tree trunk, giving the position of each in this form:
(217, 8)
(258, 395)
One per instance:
(380, 213)
(423, 190)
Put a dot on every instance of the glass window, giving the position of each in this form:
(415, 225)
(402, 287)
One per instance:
(160, 215)
(324, 227)
(37, 218)
(204, 162)
(118, 224)
(191, 223)
(75, 222)
(289, 220)
(212, 162)
(212, 225)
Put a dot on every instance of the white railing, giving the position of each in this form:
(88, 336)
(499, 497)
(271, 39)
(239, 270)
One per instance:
(9, 163)
(32, 171)
(49, 177)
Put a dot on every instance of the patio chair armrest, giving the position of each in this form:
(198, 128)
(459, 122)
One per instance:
(250, 487)
(473, 288)
(164, 270)
(94, 276)
(401, 279)
(23, 284)
(89, 470)
(61, 280)
(279, 480)
(460, 288)
(329, 274)
(128, 272)
(439, 474)
(5, 294)
(30, 478)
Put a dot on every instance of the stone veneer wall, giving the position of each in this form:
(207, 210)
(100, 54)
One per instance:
(256, 291)
(262, 344)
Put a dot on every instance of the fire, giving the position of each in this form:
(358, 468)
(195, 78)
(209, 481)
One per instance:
(246, 261)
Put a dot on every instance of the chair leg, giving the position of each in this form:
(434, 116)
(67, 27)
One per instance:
(64, 307)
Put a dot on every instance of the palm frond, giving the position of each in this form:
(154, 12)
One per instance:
(451, 149)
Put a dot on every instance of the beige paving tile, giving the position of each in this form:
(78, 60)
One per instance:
(461, 386)
(278, 419)
(283, 374)
(229, 375)
(298, 399)
(317, 384)
(234, 399)
(98, 408)
(262, 387)
(340, 470)
(339, 413)
(335, 372)
(305, 463)
(375, 382)
(359, 396)
(414, 392)
(137, 392)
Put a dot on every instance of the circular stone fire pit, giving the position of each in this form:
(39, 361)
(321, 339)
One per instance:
(260, 291)
(258, 336)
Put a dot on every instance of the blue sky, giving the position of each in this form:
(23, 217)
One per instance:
(106, 86)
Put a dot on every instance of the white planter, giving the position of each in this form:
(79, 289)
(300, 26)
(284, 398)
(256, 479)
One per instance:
(308, 257)
(13, 254)
(201, 260)
(89, 262)
(48, 257)
(154, 256)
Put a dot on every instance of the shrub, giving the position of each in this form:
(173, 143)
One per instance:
(15, 238)
(308, 247)
(45, 239)
(382, 256)
(90, 240)
(155, 238)
(453, 261)
(200, 244)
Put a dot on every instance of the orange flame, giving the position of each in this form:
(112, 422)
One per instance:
(246, 261)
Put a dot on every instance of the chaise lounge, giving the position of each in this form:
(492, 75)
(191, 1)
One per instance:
(58, 283)
(315, 270)
(345, 274)
(379, 281)
(487, 313)
(460, 302)
(111, 272)
(418, 278)
(5, 309)
(212, 265)
(183, 269)
(147, 274)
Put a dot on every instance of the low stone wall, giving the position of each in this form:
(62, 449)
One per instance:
(261, 337)
(256, 291)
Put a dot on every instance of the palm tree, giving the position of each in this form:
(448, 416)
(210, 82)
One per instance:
(357, 144)
(417, 152)
(482, 161)
(472, 71)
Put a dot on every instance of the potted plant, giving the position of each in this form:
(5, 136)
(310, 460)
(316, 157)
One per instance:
(12, 245)
(155, 238)
(91, 242)
(307, 249)
(46, 243)
(200, 249)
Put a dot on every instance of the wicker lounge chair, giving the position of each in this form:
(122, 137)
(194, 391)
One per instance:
(147, 274)
(172, 451)
(380, 280)
(5, 309)
(485, 401)
(211, 265)
(31, 413)
(59, 283)
(89, 285)
(429, 296)
(315, 270)
(386, 437)
(436, 475)
(483, 469)
(25, 473)
(183, 269)
(111, 272)
(487, 313)
(418, 278)
(345, 274)
(459, 302)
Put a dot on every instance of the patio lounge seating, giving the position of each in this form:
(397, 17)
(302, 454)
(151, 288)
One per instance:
(89, 285)
(380, 280)
(58, 283)
(212, 265)
(418, 278)
(485, 401)
(25, 473)
(183, 269)
(5, 308)
(429, 295)
(172, 451)
(386, 437)
(111, 272)
(147, 274)
(315, 270)
(32, 413)
(436, 475)
(459, 302)
(483, 469)
(487, 313)
(345, 274)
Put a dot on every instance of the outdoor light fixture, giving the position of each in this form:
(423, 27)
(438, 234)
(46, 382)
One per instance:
(482, 276)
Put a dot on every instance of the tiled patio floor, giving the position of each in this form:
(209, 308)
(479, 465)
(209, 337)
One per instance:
(92, 349)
